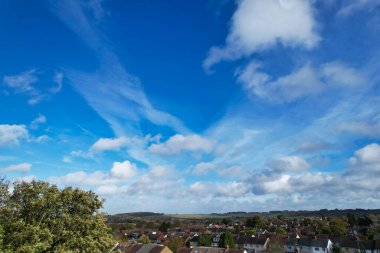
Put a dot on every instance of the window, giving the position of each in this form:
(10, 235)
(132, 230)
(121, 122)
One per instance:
(289, 247)
(317, 249)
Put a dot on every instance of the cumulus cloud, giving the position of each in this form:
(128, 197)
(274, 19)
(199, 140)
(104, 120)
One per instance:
(290, 164)
(12, 134)
(258, 25)
(302, 82)
(82, 178)
(38, 121)
(367, 158)
(232, 189)
(339, 74)
(178, 143)
(21, 167)
(200, 189)
(123, 170)
(120, 172)
(203, 168)
(107, 144)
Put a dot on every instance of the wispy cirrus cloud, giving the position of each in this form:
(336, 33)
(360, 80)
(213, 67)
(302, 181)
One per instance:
(26, 83)
(122, 101)
(20, 167)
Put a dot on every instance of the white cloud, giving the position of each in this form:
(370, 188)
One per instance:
(201, 188)
(258, 25)
(179, 143)
(367, 158)
(67, 159)
(38, 121)
(107, 144)
(203, 168)
(302, 82)
(362, 128)
(292, 164)
(22, 83)
(21, 167)
(107, 189)
(351, 6)
(12, 134)
(82, 178)
(58, 80)
(232, 189)
(123, 170)
(339, 74)
(122, 102)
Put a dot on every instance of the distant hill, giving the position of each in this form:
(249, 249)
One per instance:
(301, 213)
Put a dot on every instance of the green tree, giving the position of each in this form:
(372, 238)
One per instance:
(325, 229)
(226, 221)
(164, 226)
(338, 226)
(205, 240)
(276, 245)
(336, 249)
(280, 231)
(255, 222)
(38, 217)
(175, 243)
(365, 221)
(226, 240)
(144, 239)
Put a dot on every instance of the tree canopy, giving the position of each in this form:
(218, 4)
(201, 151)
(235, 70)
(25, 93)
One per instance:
(39, 217)
(255, 222)
(226, 240)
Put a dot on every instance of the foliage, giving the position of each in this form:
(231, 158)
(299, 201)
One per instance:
(144, 239)
(248, 232)
(255, 222)
(226, 221)
(325, 229)
(365, 221)
(336, 249)
(175, 243)
(281, 217)
(276, 245)
(164, 226)
(280, 231)
(338, 226)
(205, 240)
(226, 240)
(38, 217)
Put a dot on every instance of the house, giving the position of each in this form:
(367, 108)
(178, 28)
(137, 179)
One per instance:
(362, 246)
(194, 241)
(291, 245)
(253, 244)
(210, 250)
(308, 245)
(215, 240)
(157, 238)
(147, 248)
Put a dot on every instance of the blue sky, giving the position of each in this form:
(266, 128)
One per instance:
(194, 106)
